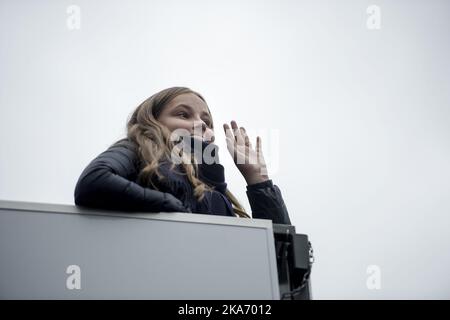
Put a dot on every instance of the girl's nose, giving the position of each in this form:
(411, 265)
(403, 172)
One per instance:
(202, 130)
(199, 127)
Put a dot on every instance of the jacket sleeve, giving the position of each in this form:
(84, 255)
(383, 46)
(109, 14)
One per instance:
(108, 183)
(266, 202)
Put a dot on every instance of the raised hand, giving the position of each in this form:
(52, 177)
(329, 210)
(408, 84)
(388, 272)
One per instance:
(249, 161)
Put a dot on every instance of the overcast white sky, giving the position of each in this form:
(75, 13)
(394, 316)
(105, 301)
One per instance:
(354, 121)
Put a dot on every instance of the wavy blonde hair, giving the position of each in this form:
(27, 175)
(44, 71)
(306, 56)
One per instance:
(154, 145)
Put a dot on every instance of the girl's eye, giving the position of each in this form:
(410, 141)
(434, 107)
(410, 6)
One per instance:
(183, 114)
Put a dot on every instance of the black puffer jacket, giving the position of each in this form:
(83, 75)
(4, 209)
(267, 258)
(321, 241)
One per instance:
(110, 181)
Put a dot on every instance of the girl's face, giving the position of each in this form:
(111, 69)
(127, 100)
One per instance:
(187, 111)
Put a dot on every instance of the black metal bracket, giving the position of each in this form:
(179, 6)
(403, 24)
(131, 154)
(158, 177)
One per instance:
(294, 262)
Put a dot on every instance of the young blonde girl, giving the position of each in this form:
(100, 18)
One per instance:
(138, 173)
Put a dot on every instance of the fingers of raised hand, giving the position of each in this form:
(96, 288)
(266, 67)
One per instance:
(237, 133)
(246, 138)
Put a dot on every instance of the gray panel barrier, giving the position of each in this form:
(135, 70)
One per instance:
(52, 251)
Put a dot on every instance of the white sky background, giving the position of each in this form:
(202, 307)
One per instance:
(362, 115)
